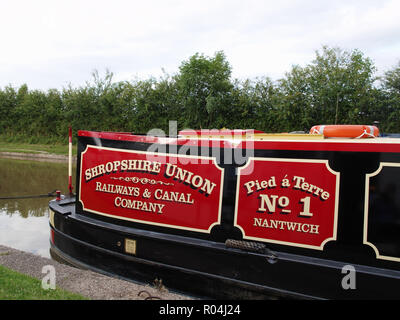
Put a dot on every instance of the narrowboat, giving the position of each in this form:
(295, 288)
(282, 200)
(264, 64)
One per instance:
(238, 214)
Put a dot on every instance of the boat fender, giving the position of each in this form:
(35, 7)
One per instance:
(256, 247)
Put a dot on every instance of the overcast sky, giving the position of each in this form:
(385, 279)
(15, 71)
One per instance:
(53, 43)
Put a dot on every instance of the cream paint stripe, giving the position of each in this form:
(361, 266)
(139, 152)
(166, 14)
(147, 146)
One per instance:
(51, 218)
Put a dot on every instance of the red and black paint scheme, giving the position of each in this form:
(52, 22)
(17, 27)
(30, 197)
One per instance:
(228, 217)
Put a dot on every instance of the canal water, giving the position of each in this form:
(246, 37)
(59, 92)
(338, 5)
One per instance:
(24, 223)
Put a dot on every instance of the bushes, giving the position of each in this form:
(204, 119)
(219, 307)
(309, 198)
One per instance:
(337, 86)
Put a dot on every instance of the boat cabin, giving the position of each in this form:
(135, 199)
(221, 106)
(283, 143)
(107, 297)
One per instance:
(237, 214)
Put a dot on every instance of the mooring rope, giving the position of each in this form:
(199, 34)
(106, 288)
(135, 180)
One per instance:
(50, 194)
(149, 296)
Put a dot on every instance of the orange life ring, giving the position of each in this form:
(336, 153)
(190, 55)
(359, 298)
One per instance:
(346, 131)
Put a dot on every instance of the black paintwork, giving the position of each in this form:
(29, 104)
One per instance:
(201, 264)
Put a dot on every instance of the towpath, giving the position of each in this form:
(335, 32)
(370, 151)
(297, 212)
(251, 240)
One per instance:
(37, 156)
(90, 284)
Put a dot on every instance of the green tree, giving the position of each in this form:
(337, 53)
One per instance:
(390, 94)
(335, 88)
(391, 79)
(8, 102)
(255, 104)
(295, 106)
(204, 86)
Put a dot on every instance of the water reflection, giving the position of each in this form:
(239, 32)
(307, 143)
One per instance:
(24, 222)
(26, 234)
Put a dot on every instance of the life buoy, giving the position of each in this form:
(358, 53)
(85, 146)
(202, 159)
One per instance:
(346, 131)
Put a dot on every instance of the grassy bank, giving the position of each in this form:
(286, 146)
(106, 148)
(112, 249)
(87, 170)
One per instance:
(17, 286)
(22, 147)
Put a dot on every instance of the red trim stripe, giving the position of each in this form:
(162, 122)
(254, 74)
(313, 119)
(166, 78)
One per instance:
(364, 145)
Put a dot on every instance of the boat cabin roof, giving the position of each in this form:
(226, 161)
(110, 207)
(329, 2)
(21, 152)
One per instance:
(258, 140)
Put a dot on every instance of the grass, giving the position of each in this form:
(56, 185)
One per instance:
(17, 286)
(35, 148)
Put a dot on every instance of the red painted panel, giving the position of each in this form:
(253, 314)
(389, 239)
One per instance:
(288, 201)
(183, 192)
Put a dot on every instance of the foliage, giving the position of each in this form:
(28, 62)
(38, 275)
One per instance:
(336, 87)
(392, 79)
(390, 99)
(204, 86)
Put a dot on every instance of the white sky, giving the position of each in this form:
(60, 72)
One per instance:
(51, 43)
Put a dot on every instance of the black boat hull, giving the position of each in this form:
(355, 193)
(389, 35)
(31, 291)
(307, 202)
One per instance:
(350, 253)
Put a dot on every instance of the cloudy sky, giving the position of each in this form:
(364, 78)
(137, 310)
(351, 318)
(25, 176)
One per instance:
(53, 43)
